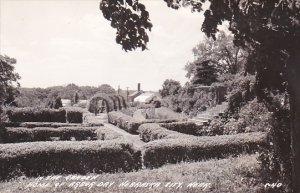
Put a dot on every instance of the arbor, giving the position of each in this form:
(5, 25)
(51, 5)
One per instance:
(271, 29)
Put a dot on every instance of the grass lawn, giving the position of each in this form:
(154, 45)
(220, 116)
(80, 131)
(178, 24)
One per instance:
(239, 174)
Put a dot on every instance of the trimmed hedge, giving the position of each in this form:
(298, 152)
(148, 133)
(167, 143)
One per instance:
(36, 115)
(153, 131)
(50, 158)
(186, 127)
(104, 133)
(123, 121)
(74, 117)
(160, 152)
(48, 124)
(19, 134)
(130, 124)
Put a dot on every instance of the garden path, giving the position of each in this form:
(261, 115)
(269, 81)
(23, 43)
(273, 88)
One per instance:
(102, 118)
(135, 139)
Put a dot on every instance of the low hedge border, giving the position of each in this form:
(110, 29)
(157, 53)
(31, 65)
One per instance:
(50, 158)
(160, 152)
(20, 134)
(153, 131)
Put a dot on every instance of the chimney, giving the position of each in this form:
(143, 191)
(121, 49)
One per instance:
(139, 87)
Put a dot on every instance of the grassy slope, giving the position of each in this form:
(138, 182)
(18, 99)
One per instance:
(226, 175)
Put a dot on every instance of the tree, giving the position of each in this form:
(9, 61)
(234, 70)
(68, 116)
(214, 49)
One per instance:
(57, 103)
(8, 80)
(54, 101)
(270, 28)
(106, 88)
(75, 99)
(204, 74)
(170, 87)
(222, 54)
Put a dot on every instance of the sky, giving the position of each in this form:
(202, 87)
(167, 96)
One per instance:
(57, 42)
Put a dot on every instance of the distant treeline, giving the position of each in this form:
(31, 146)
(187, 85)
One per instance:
(39, 97)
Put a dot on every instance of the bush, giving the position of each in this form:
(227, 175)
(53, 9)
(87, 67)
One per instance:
(50, 158)
(160, 152)
(21, 134)
(152, 131)
(36, 115)
(253, 116)
(186, 127)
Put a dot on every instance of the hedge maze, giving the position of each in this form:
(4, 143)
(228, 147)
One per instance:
(38, 142)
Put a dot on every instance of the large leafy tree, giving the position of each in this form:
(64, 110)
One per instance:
(271, 28)
(8, 80)
(221, 53)
(170, 87)
(107, 89)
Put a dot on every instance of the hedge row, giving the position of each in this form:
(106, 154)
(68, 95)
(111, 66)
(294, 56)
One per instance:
(48, 124)
(130, 124)
(160, 152)
(36, 115)
(153, 131)
(186, 127)
(45, 115)
(50, 158)
(20, 134)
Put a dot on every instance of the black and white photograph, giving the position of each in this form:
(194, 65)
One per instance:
(150, 96)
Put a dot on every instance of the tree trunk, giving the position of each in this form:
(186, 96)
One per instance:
(293, 70)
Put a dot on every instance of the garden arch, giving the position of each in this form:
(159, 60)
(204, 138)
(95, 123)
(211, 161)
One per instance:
(100, 102)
